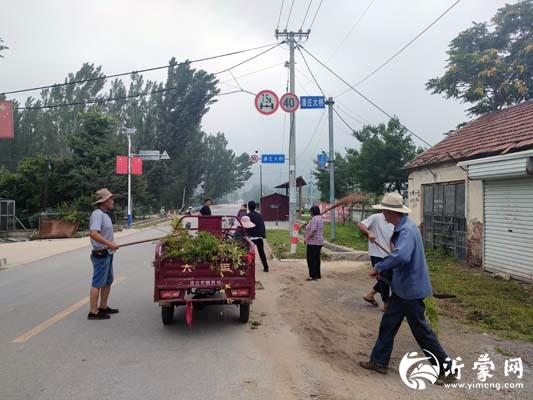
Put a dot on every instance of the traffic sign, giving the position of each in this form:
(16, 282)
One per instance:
(273, 158)
(266, 102)
(253, 158)
(289, 102)
(311, 102)
(321, 161)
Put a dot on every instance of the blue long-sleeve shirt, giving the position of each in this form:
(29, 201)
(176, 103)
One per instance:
(410, 277)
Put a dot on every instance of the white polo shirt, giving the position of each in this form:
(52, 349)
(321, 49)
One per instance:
(382, 230)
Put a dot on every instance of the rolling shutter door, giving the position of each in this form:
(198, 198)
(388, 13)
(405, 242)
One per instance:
(508, 228)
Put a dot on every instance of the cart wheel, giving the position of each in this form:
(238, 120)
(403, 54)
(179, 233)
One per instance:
(244, 310)
(167, 314)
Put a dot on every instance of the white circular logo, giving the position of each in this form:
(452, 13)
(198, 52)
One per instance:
(417, 377)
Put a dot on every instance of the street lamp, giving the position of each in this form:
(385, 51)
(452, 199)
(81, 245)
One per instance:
(128, 132)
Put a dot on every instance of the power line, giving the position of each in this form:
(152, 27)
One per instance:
(112, 99)
(351, 30)
(289, 18)
(307, 12)
(344, 122)
(311, 72)
(249, 59)
(134, 72)
(361, 94)
(314, 133)
(280, 11)
(317, 10)
(323, 94)
(403, 48)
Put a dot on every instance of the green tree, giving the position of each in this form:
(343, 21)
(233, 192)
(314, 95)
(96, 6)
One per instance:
(224, 171)
(345, 181)
(379, 165)
(491, 65)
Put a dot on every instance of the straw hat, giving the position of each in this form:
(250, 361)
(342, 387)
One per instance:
(392, 202)
(102, 195)
(245, 221)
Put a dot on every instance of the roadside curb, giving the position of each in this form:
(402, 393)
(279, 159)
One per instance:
(24, 253)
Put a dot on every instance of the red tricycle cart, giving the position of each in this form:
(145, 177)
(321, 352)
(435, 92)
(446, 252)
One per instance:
(198, 284)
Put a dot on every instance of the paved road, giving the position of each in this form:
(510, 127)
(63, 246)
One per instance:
(130, 356)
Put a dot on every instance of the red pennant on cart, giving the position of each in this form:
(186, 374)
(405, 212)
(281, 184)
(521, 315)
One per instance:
(7, 130)
(188, 313)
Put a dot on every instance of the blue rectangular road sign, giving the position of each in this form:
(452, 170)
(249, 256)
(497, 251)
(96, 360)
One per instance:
(273, 158)
(322, 159)
(311, 102)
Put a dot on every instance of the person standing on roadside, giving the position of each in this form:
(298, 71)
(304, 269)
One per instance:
(206, 209)
(410, 285)
(258, 233)
(242, 211)
(104, 247)
(314, 239)
(378, 231)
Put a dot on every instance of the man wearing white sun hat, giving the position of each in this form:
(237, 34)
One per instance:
(410, 285)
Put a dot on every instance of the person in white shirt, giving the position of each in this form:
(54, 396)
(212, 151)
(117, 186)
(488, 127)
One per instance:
(379, 231)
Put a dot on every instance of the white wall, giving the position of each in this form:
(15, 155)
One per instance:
(449, 172)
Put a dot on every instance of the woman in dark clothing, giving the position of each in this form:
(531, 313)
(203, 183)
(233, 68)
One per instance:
(314, 238)
(258, 233)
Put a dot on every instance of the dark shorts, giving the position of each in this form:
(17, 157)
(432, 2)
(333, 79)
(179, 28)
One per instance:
(102, 271)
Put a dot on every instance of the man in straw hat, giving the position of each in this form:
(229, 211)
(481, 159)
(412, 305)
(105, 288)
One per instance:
(410, 285)
(104, 246)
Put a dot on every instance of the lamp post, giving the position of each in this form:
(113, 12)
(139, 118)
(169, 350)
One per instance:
(128, 132)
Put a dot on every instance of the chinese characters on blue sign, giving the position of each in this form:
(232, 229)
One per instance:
(311, 102)
(273, 158)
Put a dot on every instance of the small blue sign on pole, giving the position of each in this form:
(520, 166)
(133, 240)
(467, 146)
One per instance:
(273, 158)
(312, 102)
(321, 160)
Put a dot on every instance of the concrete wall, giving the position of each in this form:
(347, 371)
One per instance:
(473, 203)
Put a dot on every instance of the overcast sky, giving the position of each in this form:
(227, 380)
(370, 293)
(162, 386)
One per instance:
(48, 39)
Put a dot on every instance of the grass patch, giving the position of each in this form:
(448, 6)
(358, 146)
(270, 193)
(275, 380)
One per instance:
(501, 307)
(279, 241)
(347, 234)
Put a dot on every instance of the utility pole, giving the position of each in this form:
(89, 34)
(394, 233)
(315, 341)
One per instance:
(292, 38)
(260, 182)
(331, 164)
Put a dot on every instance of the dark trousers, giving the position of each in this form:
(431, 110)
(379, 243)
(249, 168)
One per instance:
(382, 286)
(313, 260)
(413, 311)
(261, 250)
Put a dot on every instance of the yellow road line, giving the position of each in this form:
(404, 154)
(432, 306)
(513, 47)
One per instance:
(58, 317)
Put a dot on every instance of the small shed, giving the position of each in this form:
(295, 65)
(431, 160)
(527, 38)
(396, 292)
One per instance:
(275, 207)
(300, 181)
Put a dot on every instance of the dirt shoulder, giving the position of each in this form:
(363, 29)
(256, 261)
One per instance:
(317, 332)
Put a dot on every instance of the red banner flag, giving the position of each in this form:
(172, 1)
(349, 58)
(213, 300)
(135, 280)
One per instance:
(136, 165)
(7, 130)
(122, 165)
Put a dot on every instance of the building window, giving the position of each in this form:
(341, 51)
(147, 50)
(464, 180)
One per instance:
(444, 218)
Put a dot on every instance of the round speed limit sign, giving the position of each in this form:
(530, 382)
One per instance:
(289, 102)
(266, 102)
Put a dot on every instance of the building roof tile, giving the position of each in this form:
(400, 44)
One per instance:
(499, 132)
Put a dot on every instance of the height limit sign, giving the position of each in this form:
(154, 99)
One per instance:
(266, 102)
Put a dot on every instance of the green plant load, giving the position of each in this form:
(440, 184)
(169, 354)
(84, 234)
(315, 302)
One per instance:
(203, 248)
